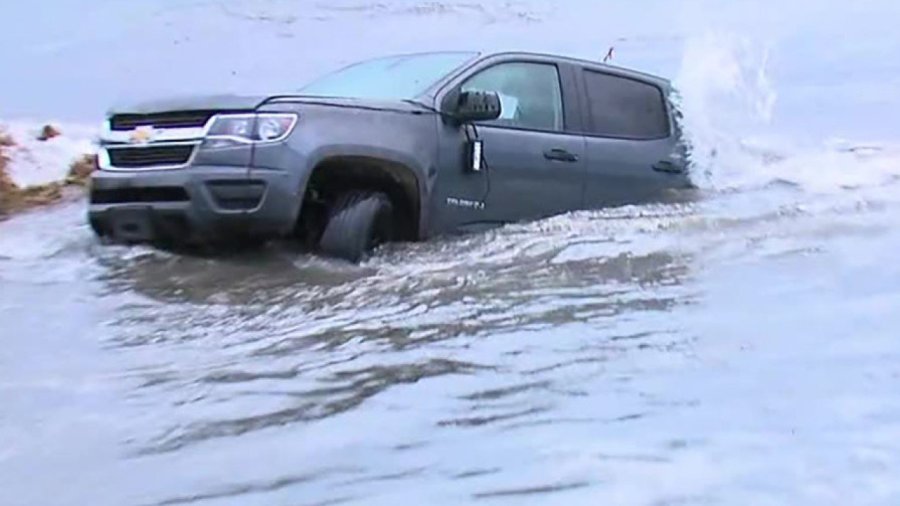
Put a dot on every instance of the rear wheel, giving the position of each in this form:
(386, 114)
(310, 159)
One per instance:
(357, 223)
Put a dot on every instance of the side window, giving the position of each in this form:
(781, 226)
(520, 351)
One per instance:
(530, 94)
(622, 107)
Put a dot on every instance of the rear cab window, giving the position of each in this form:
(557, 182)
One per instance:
(624, 108)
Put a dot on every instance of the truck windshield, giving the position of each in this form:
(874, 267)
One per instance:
(390, 78)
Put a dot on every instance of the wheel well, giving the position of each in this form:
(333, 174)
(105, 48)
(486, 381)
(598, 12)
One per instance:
(337, 175)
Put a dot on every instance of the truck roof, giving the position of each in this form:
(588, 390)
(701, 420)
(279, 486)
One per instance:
(635, 74)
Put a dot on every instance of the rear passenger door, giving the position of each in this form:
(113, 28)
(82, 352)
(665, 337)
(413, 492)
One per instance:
(631, 152)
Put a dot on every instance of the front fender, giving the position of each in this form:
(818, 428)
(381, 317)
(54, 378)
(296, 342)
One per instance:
(325, 133)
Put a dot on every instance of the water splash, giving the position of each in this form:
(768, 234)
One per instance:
(725, 94)
(728, 101)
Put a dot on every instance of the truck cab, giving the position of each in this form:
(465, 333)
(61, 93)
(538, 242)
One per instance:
(571, 135)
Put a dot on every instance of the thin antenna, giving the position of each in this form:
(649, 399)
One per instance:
(609, 54)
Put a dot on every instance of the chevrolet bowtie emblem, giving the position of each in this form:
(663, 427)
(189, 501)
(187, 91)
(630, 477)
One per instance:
(142, 135)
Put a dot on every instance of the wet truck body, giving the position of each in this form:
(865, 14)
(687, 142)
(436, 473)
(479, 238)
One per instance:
(432, 144)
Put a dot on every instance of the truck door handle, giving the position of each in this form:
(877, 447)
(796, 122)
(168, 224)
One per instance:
(560, 155)
(667, 167)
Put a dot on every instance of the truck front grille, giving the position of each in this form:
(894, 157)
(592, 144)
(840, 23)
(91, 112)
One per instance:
(177, 119)
(141, 157)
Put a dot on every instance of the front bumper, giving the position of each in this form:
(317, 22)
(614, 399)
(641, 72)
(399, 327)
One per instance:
(194, 204)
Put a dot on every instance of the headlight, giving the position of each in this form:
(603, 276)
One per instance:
(231, 130)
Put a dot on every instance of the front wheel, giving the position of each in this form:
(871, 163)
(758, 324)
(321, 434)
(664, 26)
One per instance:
(357, 223)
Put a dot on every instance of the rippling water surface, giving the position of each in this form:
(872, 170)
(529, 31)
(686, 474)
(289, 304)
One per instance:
(739, 348)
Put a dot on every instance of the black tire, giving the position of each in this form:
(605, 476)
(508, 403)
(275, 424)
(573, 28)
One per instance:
(97, 227)
(357, 223)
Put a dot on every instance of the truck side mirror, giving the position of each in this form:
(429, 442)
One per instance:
(477, 106)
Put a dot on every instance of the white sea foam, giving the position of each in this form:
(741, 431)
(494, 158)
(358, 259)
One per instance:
(34, 162)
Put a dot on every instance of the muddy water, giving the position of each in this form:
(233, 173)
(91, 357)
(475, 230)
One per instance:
(740, 348)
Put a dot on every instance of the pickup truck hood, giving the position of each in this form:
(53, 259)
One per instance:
(251, 102)
(191, 103)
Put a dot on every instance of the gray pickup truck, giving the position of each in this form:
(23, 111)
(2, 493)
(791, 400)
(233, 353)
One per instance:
(399, 148)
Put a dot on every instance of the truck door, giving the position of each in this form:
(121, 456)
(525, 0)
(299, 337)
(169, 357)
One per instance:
(632, 153)
(533, 168)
